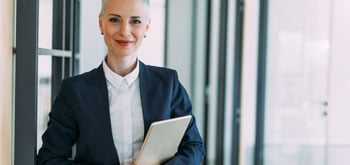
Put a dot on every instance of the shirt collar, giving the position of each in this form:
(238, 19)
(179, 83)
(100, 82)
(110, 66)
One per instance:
(116, 79)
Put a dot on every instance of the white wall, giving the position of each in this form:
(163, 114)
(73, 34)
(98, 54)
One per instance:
(6, 29)
(92, 47)
(339, 84)
(179, 39)
(152, 49)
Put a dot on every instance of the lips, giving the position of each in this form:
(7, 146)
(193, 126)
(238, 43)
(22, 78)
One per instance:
(124, 42)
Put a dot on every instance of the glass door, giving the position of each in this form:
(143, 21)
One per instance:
(298, 51)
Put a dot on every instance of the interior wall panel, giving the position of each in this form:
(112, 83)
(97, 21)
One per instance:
(6, 22)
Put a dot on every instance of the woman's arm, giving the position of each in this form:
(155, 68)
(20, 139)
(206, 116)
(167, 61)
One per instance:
(61, 132)
(191, 149)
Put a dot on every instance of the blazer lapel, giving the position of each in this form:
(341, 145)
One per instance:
(104, 114)
(144, 98)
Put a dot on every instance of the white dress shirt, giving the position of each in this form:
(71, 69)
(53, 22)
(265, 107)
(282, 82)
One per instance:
(125, 112)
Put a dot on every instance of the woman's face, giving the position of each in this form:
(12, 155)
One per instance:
(124, 24)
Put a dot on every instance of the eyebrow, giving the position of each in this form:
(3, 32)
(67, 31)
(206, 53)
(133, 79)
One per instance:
(116, 15)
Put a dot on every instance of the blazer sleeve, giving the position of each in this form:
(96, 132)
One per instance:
(61, 132)
(191, 149)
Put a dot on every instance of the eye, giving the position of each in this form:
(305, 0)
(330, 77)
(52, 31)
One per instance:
(136, 21)
(115, 20)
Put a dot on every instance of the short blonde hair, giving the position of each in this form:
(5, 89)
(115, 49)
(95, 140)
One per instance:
(104, 2)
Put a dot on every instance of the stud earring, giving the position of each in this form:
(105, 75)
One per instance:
(144, 36)
(102, 33)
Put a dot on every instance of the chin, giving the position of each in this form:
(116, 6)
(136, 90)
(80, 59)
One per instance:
(123, 54)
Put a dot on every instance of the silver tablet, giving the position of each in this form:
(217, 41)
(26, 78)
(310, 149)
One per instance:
(162, 140)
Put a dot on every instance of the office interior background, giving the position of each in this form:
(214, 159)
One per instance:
(269, 79)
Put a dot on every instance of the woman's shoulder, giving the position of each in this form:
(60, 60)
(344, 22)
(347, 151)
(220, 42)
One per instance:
(89, 77)
(158, 70)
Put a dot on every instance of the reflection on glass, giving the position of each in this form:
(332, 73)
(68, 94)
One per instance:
(298, 57)
(44, 95)
(45, 24)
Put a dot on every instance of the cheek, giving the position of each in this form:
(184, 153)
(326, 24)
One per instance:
(140, 32)
(111, 30)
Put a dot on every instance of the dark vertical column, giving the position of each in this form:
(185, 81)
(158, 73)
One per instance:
(166, 32)
(237, 75)
(58, 37)
(26, 82)
(76, 35)
(67, 67)
(261, 86)
(68, 26)
(207, 79)
(221, 83)
(69, 37)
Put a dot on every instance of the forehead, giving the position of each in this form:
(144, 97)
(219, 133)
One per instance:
(126, 8)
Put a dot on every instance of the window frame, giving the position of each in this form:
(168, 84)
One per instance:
(65, 62)
(261, 84)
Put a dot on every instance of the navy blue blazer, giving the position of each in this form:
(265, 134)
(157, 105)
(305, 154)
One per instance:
(80, 115)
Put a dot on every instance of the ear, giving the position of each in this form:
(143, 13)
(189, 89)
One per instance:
(100, 22)
(148, 24)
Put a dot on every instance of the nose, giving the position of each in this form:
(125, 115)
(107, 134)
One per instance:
(124, 29)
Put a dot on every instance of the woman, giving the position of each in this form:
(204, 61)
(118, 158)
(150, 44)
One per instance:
(107, 111)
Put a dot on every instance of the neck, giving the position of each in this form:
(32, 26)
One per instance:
(121, 65)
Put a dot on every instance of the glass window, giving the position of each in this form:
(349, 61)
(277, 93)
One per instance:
(296, 83)
(44, 67)
(55, 55)
(45, 24)
(44, 95)
(36, 60)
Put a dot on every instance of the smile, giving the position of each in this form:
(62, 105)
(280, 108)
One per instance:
(124, 42)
